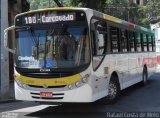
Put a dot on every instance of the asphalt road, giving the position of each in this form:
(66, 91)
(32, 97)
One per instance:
(136, 101)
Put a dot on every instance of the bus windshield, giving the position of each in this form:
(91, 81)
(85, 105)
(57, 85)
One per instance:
(56, 47)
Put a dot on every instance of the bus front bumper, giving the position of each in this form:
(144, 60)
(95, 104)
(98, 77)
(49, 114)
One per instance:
(81, 94)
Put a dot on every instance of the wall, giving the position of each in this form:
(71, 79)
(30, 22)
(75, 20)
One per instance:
(4, 77)
(0, 43)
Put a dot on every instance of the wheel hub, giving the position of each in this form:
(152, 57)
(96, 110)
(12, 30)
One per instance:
(112, 90)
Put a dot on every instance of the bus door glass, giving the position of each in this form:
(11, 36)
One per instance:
(99, 40)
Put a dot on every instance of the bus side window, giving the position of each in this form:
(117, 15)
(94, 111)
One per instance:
(138, 42)
(145, 46)
(150, 46)
(114, 36)
(132, 42)
(153, 43)
(123, 40)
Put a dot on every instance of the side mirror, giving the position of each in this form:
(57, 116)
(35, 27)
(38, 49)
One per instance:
(6, 39)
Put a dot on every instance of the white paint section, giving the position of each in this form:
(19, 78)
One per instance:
(81, 94)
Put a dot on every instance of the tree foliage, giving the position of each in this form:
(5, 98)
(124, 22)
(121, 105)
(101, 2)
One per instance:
(40, 4)
(117, 8)
(141, 15)
(148, 13)
(93, 4)
(153, 10)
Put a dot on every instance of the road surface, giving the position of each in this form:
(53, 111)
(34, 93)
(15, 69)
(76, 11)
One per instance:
(136, 99)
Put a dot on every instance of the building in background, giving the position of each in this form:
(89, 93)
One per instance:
(156, 28)
(138, 2)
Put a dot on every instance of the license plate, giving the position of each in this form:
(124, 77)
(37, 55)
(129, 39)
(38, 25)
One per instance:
(46, 94)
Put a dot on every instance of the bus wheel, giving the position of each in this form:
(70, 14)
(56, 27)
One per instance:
(113, 91)
(144, 77)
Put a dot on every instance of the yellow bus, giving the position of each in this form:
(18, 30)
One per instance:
(78, 55)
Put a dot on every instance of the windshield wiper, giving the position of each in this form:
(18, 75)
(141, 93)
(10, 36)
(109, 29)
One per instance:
(35, 39)
(33, 36)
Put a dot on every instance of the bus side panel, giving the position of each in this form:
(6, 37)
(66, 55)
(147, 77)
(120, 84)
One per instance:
(151, 63)
(113, 63)
(99, 81)
(133, 70)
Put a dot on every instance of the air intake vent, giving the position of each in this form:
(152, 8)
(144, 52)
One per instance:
(47, 87)
(48, 75)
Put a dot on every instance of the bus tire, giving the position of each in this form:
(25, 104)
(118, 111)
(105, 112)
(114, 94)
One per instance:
(144, 76)
(113, 92)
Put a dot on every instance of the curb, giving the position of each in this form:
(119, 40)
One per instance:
(7, 100)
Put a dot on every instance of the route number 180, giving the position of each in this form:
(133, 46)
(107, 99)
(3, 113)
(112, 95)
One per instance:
(30, 20)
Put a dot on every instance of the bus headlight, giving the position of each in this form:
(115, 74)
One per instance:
(78, 84)
(70, 86)
(85, 78)
(20, 83)
(25, 86)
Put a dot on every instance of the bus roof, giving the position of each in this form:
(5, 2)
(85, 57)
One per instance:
(58, 8)
(96, 13)
(120, 21)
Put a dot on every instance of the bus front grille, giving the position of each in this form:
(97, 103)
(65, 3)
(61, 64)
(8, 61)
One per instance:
(56, 96)
(47, 98)
(48, 75)
(62, 86)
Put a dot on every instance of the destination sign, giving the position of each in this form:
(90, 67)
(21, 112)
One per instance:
(46, 17)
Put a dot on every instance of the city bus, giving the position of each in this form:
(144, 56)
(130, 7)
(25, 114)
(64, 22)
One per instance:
(78, 55)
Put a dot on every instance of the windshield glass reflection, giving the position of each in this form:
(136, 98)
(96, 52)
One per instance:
(52, 48)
